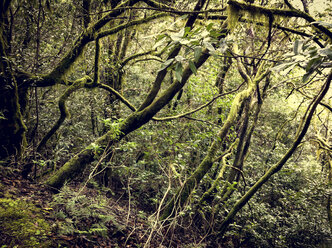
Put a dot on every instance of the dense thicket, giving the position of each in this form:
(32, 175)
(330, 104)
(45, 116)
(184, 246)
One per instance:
(211, 117)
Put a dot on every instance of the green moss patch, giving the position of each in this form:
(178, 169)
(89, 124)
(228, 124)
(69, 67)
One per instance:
(22, 224)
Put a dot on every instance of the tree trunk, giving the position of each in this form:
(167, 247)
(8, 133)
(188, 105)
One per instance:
(12, 128)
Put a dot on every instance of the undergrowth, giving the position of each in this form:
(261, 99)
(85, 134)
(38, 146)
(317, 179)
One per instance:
(80, 214)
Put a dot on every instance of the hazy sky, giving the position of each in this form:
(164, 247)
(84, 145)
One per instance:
(317, 5)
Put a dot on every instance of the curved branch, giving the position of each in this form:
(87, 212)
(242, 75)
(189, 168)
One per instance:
(322, 144)
(182, 194)
(127, 60)
(87, 36)
(286, 29)
(220, 175)
(134, 121)
(118, 96)
(169, 118)
(176, 11)
(127, 25)
(64, 113)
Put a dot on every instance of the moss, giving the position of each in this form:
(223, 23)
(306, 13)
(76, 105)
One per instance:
(233, 14)
(22, 224)
(71, 169)
(252, 13)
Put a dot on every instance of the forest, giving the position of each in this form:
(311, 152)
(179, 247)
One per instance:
(166, 123)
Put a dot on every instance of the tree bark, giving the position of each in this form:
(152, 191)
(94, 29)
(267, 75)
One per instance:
(12, 128)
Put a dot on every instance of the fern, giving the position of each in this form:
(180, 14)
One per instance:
(81, 214)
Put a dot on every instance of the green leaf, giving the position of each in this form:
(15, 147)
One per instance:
(183, 17)
(186, 31)
(185, 42)
(325, 52)
(178, 36)
(314, 67)
(2, 116)
(287, 70)
(298, 44)
(325, 24)
(209, 46)
(178, 71)
(306, 77)
(214, 34)
(166, 64)
(192, 67)
(223, 46)
(197, 53)
(161, 36)
(209, 27)
(282, 66)
(313, 63)
(179, 58)
(159, 43)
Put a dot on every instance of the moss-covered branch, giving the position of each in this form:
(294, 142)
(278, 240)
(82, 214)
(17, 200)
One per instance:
(134, 121)
(174, 11)
(183, 193)
(277, 167)
(77, 164)
(252, 9)
(134, 56)
(322, 144)
(64, 113)
(90, 34)
(163, 7)
(175, 51)
(242, 150)
(220, 175)
(118, 96)
(169, 118)
(127, 25)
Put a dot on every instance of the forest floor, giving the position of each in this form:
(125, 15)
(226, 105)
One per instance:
(128, 227)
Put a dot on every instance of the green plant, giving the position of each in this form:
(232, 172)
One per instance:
(79, 214)
(22, 224)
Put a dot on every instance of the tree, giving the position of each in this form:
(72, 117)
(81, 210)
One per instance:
(230, 42)
(11, 123)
